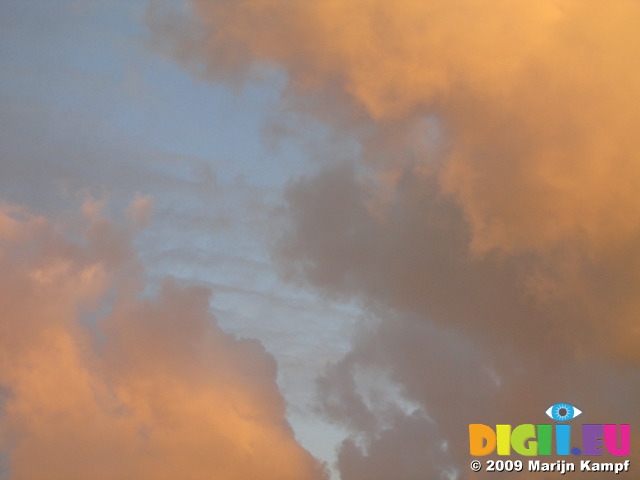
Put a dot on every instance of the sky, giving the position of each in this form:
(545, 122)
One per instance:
(312, 240)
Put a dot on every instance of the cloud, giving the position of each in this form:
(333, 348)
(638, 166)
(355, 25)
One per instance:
(462, 337)
(491, 220)
(519, 88)
(99, 381)
(140, 210)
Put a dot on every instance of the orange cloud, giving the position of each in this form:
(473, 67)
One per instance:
(533, 98)
(102, 382)
(504, 207)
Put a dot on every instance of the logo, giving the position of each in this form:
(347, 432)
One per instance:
(561, 412)
(544, 439)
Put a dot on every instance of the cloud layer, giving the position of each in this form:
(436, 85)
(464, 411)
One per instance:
(491, 221)
(532, 98)
(100, 381)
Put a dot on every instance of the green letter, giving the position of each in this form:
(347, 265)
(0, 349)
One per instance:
(523, 440)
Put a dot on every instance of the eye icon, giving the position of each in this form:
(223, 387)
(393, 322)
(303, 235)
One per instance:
(563, 412)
